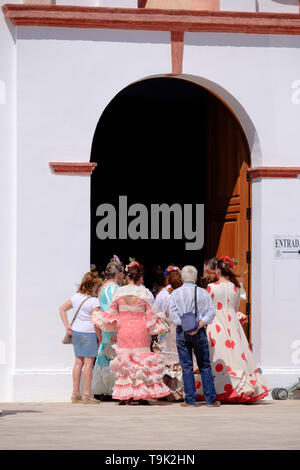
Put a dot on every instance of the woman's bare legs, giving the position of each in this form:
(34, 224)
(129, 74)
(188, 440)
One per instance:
(77, 369)
(87, 375)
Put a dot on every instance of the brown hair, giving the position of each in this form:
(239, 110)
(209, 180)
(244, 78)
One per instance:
(89, 283)
(211, 262)
(174, 279)
(225, 268)
(113, 268)
(159, 279)
(208, 278)
(135, 272)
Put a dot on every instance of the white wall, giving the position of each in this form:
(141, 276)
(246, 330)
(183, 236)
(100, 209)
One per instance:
(276, 282)
(7, 204)
(236, 5)
(65, 81)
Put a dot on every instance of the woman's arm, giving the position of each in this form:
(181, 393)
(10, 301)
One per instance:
(63, 315)
(97, 330)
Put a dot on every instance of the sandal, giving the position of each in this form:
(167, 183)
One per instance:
(89, 399)
(76, 398)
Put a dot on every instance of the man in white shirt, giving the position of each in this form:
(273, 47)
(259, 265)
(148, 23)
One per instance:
(182, 301)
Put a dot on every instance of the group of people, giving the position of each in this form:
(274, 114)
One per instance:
(131, 346)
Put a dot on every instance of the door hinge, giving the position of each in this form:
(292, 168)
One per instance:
(248, 308)
(248, 213)
(248, 257)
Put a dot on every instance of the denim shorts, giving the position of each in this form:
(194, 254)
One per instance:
(85, 344)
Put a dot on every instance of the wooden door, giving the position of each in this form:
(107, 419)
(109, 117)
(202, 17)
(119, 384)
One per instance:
(227, 192)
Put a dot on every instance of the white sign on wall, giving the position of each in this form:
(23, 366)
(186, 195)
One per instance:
(286, 246)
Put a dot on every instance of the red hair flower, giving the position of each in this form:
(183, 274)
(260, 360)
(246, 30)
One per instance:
(230, 260)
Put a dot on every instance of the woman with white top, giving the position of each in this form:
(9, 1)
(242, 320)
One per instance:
(84, 337)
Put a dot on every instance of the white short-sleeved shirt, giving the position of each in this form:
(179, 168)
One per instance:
(83, 322)
(162, 301)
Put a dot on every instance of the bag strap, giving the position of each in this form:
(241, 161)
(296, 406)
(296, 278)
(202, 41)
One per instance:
(196, 306)
(79, 309)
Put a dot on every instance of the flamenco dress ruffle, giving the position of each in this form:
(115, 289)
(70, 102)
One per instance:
(103, 378)
(139, 375)
(138, 371)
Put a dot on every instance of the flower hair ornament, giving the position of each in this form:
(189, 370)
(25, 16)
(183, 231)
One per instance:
(132, 262)
(230, 260)
(115, 259)
(170, 269)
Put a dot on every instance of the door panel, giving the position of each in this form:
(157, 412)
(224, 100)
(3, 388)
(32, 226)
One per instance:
(227, 190)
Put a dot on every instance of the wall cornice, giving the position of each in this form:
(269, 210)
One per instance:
(150, 19)
(72, 168)
(274, 172)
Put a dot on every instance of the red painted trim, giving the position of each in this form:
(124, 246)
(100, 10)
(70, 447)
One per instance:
(153, 20)
(177, 44)
(72, 168)
(274, 172)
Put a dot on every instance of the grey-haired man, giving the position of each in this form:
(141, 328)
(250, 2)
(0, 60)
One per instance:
(182, 301)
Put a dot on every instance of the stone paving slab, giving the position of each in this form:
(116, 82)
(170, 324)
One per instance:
(269, 424)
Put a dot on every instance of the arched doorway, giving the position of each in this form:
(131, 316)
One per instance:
(170, 141)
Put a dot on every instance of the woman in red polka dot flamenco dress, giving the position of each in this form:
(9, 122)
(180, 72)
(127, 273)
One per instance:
(237, 379)
(139, 372)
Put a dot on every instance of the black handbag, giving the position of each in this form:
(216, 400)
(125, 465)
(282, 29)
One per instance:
(189, 320)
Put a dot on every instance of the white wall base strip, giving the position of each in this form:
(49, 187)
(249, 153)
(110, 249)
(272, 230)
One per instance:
(55, 385)
(42, 385)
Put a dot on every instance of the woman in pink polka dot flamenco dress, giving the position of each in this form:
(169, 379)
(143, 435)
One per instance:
(139, 372)
(237, 379)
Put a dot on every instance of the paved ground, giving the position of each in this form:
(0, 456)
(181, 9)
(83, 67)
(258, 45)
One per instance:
(265, 425)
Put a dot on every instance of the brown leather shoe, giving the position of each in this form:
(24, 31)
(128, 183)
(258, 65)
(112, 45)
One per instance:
(215, 404)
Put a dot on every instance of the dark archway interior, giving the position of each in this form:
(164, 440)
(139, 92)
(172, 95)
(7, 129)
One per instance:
(150, 145)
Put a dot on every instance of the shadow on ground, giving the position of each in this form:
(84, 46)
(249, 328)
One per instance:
(14, 412)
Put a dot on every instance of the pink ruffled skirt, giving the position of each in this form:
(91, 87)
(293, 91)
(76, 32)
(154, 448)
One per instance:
(139, 375)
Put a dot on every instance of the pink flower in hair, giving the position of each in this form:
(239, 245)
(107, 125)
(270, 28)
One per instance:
(131, 264)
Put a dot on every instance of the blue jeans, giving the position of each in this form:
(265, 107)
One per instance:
(198, 343)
